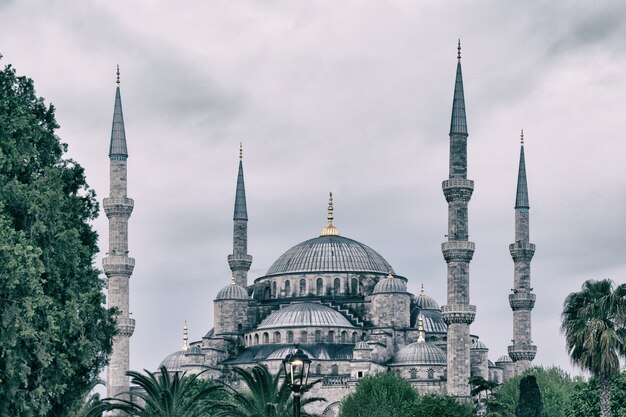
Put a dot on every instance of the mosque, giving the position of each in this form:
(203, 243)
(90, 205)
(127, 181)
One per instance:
(338, 298)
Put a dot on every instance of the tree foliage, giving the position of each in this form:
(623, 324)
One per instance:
(594, 323)
(585, 398)
(55, 334)
(266, 395)
(530, 403)
(555, 386)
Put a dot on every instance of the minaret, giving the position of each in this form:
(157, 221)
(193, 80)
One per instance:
(239, 260)
(118, 267)
(458, 251)
(522, 301)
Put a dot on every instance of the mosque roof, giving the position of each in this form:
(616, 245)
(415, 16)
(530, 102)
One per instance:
(232, 292)
(420, 354)
(504, 358)
(330, 253)
(390, 284)
(426, 302)
(174, 362)
(304, 315)
(323, 351)
(478, 345)
(433, 322)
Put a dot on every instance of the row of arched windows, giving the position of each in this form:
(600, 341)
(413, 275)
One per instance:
(301, 290)
(303, 337)
(430, 373)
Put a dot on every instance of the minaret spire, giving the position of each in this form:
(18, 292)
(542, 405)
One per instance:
(239, 261)
(458, 251)
(117, 266)
(522, 301)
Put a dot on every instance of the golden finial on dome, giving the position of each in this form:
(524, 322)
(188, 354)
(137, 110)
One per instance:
(522, 137)
(240, 151)
(390, 275)
(232, 280)
(185, 338)
(420, 329)
(422, 290)
(117, 73)
(458, 49)
(330, 229)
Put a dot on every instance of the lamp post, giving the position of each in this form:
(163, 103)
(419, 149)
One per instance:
(296, 367)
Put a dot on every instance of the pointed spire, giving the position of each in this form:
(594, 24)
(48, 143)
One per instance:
(422, 290)
(330, 229)
(185, 347)
(420, 329)
(241, 211)
(521, 199)
(458, 125)
(117, 148)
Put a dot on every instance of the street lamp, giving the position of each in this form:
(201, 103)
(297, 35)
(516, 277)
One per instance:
(296, 367)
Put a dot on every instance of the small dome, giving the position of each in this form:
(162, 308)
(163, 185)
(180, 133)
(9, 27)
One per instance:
(232, 292)
(305, 315)
(425, 302)
(362, 345)
(504, 358)
(420, 354)
(175, 361)
(478, 345)
(390, 284)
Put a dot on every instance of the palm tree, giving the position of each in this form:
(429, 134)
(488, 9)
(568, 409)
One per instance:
(594, 323)
(267, 395)
(162, 395)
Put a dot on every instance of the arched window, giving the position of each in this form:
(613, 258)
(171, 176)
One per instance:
(302, 287)
(344, 337)
(266, 338)
(318, 336)
(256, 339)
(287, 288)
(431, 373)
(318, 369)
(303, 337)
(266, 293)
(274, 295)
(276, 337)
(331, 337)
(290, 337)
(413, 372)
(355, 336)
(319, 287)
(336, 286)
(355, 286)
(334, 370)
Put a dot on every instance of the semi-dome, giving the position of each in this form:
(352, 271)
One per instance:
(232, 292)
(305, 315)
(330, 253)
(433, 322)
(390, 284)
(420, 354)
(362, 345)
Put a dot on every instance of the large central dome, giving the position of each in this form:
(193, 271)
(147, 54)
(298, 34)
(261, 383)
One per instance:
(330, 254)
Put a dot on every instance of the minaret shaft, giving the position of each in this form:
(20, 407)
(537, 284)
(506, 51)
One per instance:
(118, 267)
(522, 301)
(239, 261)
(458, 251)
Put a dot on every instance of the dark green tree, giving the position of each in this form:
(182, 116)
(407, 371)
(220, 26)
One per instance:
(594, 323)
(382, 395)
(55, 334)
(163, 395)
(266, 395)
(585, 399)
(441, 406)
(530, 403)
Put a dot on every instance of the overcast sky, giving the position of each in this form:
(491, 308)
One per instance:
(352, 97)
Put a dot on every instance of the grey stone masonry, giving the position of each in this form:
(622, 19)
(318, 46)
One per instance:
(117, 266)
(522, 300)
(239, 261)
(458, 314)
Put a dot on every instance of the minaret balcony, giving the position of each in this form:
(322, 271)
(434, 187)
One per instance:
(522, 251)
(522, 352)
(125, 326)
(118, 207)
(458, 251)
(458, 313)
(239, 262)
(457, 189)
(118, 266)
(522, 301)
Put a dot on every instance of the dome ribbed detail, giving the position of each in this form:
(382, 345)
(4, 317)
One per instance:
(330, 254)
(504, 358)
(304, 315)
(425, 302)
(175, 361)
(433, 322)
(232, 292)
(362, 345)
(478, 345)
(420, 354)
(390, 284)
